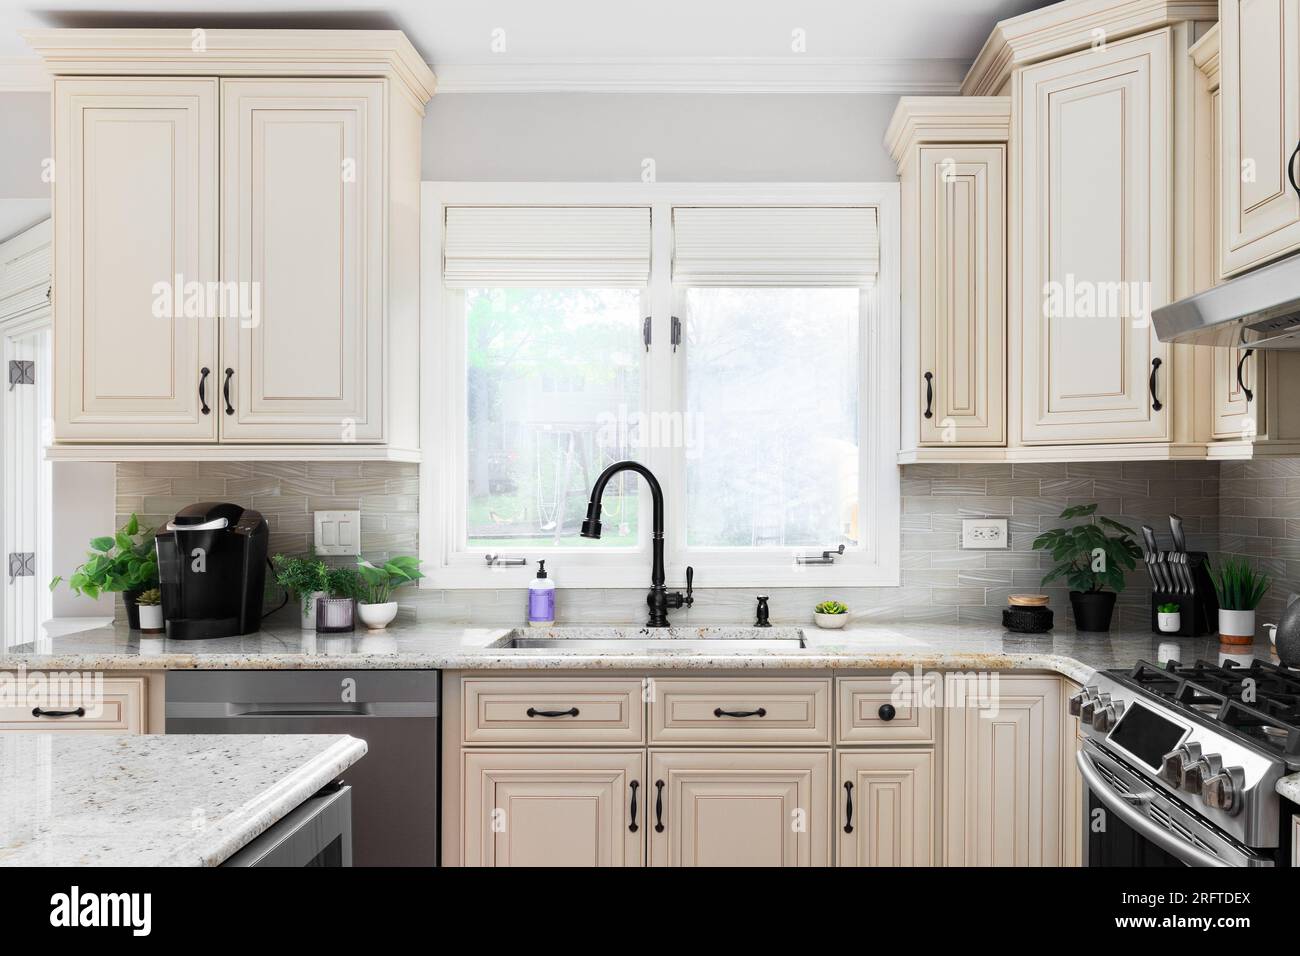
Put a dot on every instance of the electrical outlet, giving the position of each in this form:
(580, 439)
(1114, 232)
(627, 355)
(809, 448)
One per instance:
(337, 532)
(980, 534)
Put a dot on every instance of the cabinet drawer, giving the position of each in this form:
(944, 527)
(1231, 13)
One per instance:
(865, 719)
(116, 705)
(710, 711)
(552, 711)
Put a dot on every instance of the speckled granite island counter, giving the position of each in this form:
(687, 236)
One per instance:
(70, 799)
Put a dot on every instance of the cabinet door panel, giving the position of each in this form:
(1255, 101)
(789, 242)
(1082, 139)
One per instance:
(1094, 226)
(135, 256)
(1260, 71)
(892, 823)
(740, 808)
(302, 236)
(962, 294)
(552, 808)
(1002, 752)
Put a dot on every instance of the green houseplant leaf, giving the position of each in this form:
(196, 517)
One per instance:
(1092, 555)
(123, 561)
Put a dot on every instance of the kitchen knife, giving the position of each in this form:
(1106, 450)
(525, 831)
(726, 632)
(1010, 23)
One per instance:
(1180, 546)
(1152, 552)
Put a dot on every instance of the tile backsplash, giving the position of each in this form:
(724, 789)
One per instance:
(1247, 508)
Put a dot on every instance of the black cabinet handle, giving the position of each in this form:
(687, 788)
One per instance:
(1290, 168)
(632, 827)
(225, 390)
(887, 712)
(534, 712)
(203, 381)
(848, 807)
(79, 712)
(1151, 384)
(1250, 396)
(929, 395)
(659, 806)
(719, 712)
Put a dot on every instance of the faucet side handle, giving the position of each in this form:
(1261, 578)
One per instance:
(689, 600)
(761, 613)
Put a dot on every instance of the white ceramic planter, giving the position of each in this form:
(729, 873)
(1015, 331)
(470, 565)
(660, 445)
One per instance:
(376, 617)
(1237, 627)
(151, 618)
(308, 613)
(830, 621)
(1169, 623)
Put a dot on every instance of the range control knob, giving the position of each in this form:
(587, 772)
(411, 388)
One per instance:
(1090, 707)
(1194, 777)
(1175, 763)
(1076, 701)
(1106, 718)
(1223, 791)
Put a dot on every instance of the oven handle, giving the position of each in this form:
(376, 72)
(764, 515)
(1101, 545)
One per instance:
(1125, 810)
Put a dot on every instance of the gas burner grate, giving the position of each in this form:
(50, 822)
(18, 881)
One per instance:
(1260, 700)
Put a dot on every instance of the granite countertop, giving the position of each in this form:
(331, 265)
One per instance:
(190, 800)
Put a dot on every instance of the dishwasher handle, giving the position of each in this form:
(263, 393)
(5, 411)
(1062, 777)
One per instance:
(300, 710)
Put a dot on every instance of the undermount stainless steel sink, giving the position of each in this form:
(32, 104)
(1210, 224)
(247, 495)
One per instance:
(667, 640)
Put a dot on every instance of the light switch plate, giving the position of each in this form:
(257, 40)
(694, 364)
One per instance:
(982, 534)
(337, 532)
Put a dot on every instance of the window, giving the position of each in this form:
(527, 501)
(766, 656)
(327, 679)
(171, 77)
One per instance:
(751, 363)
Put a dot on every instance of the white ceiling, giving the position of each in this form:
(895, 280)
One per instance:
(580, 44)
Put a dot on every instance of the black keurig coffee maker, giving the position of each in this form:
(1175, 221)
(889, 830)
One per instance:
(212, 571)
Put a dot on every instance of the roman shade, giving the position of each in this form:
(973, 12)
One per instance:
(604, 246)
(775, 245)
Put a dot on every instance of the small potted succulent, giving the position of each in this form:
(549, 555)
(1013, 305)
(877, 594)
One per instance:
(149, 604)
(376, 607)
(305, 579)
(1169, 618)
(125, 561)
(831, 614)
(1091, 556)
(1240, 588)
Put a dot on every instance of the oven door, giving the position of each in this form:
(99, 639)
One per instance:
(1141, 825)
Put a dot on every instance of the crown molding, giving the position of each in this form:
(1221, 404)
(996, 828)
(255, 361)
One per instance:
(82, 52)
(920, 120)
(24, 74)
(1205, 54)
(789, 74)
(1067, 27)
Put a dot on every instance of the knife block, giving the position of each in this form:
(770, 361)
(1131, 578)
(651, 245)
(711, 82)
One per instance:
(1198, 611)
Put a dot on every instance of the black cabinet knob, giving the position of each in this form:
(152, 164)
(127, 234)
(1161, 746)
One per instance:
(887, 712)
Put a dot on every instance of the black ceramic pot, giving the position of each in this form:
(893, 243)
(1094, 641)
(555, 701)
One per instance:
(132, 609)
(1092, 609)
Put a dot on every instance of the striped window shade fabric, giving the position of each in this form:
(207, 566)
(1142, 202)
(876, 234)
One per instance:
(775, 245)
(595, 246)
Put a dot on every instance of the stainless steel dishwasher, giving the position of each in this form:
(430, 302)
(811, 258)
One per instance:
(394, 786)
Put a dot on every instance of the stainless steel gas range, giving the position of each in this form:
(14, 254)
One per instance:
(1181, 763)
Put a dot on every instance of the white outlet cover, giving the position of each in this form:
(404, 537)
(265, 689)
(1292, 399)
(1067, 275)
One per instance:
(983, 534)
(337, 532)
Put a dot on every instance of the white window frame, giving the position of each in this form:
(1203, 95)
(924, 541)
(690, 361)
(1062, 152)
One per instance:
(443, 416)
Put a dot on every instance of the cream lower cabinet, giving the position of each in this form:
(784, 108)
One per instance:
(1002, 753)
(554, 808)
(886, 808)
(740, 808)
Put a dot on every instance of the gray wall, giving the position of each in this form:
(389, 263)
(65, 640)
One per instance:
(693, 137)
(24, 144)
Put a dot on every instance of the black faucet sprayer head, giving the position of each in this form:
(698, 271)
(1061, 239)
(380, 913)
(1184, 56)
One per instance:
(591, 524)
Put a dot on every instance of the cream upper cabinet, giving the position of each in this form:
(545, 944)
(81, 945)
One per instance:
(962, 295)
(1260, 77)
(303, 229)
(739, 808)
(135, 211)
(1092, 135)
(550, 808)
(886, 808)
(1002, 752)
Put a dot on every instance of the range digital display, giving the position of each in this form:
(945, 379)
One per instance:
(1146, 735)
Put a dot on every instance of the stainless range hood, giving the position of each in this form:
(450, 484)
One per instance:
(1259, 310)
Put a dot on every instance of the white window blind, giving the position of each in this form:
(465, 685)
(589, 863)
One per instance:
(601, 246)
(775, 245)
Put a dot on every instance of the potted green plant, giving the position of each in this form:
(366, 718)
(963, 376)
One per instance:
(376, 607)
(1169, 618)
(335, 612)
(305, 579)
(831, 614)
(124, 562)
(1091, 556)
(149, 604)
(1240, 588)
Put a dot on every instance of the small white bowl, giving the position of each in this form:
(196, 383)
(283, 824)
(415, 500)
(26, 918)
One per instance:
(830, 621)
(377, 616)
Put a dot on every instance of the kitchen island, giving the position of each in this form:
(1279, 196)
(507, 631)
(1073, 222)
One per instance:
(70, 799)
